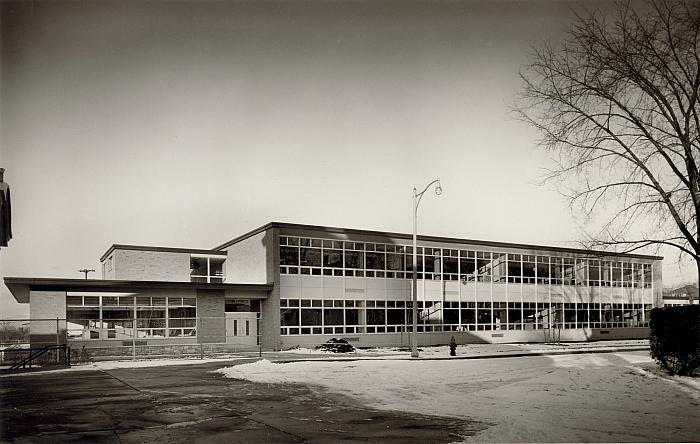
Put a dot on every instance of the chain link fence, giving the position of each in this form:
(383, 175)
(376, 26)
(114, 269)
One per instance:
(92, 340)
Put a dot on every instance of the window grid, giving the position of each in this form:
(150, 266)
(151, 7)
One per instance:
(369, 316)
(112, 317)
(327, 257)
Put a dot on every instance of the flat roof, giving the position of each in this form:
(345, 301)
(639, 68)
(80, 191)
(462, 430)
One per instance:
(20, 286)
(338, 230)
(163, 249)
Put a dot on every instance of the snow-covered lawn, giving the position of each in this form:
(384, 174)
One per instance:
(598, 397)
(468, 350)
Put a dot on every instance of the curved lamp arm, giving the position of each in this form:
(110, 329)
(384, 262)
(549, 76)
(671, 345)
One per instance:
(419, 196)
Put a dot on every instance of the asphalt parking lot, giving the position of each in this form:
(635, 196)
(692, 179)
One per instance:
(190, 404)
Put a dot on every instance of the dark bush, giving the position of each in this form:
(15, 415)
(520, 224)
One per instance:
(674, 338)
(336, 346)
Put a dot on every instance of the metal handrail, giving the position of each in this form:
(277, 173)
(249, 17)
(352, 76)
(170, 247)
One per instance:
(38, 352)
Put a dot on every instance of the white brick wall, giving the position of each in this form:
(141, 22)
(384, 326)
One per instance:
(151, 266)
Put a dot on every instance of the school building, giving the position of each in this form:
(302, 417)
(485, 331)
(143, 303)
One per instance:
(285, 285)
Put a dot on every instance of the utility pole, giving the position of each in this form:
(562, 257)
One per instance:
(86, 271)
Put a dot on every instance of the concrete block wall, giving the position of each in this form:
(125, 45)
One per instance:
(47, 311)
(150, 265)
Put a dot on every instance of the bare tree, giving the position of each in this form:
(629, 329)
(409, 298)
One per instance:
(616, 104)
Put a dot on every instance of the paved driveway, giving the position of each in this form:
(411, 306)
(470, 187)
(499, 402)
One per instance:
(190, 404)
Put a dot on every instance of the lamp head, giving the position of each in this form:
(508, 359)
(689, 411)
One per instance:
(438, 188)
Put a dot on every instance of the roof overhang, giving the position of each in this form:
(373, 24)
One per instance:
(20, 287)
(160, 249)
(283, 226)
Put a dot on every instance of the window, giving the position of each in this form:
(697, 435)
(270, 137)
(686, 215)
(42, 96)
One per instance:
(514, 268)
(467, 266)
(376, 316)
(529, 269)
(290, 317)
(333, 258)
(206, 269)
(375, 261)
(310, 257)
(594, 273)
(395, 262)
(396, 316)
(310, 316)
(354, 259)
(484, 266)
(333, 316)
(289, 256)
(449, 265)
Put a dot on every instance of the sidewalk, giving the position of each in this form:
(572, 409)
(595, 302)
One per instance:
(470, 351)
(441, 352)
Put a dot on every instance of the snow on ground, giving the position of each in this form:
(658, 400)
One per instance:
(471, 349)
(111, 365)
(598, 397)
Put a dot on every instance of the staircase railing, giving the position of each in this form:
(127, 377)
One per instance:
(34, 354)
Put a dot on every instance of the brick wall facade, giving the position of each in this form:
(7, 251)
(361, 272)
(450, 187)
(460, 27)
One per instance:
(151, 265)
(211, 316)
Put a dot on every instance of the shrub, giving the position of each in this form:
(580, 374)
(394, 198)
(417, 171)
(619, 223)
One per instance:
(675, 339)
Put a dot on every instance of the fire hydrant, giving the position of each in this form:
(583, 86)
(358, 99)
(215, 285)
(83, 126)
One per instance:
(453, 347)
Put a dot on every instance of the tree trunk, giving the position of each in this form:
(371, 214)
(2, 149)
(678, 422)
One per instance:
(690, 301)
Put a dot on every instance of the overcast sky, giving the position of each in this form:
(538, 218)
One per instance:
(186, 124)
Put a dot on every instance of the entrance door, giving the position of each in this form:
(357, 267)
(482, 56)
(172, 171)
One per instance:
(242, 328)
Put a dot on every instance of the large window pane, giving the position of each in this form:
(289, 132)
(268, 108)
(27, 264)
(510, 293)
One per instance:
(198, 266)
(467, 265)
(82, 313)
(375, 261)
(310, 257)
(529, 268)
(542, 267)
(216, 267)
(594, 273)
(514, 270)
(450, 264)
(468, 315)
(333, 258)
(289, 256)
(290, 317)
(354, 259)
(396, 316)
(311, 316)
(432, 261)
(182, 312)
(394, 262)
(117, 313)
(333, 317)
(375, 316)
(352, 316)
(484, 266)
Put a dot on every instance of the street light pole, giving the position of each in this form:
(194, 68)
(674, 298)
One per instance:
(416, 201)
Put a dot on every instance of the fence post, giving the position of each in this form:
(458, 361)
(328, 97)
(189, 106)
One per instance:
(201, 350)
(260, 338)
(58, 341)
(133, 334)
